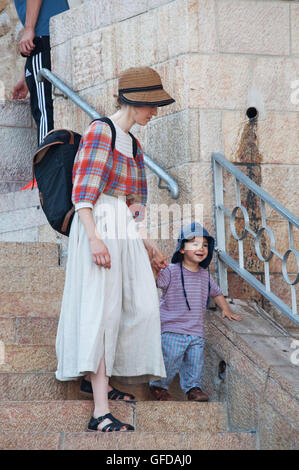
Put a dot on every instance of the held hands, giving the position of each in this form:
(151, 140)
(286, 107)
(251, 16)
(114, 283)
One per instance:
(158, 260)
(26, 44)
(100, 253)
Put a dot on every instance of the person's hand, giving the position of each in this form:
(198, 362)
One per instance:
(158, 260)
(26, 44)
(230, 315)
(155, 271)
(20, 90)
(100, 253)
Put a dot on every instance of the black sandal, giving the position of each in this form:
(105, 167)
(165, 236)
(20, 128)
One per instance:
(115, 394)
(115, 424)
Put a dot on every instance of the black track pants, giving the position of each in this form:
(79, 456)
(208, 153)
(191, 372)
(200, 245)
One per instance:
(40, 93)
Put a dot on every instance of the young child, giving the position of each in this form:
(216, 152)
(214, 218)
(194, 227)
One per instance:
(186, 288)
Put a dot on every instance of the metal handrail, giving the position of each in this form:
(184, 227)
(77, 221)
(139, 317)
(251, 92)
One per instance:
(239, 175)
(171, 184)
(219, 163)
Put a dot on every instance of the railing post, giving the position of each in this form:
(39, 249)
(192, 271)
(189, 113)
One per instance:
(220, 225)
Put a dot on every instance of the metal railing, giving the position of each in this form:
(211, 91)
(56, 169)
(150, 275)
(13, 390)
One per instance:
(219, 163)
(171, 184)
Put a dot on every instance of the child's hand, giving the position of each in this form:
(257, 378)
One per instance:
(230, 315)
(155, 272)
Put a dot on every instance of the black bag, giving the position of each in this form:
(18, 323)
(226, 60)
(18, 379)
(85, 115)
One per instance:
(52, 167)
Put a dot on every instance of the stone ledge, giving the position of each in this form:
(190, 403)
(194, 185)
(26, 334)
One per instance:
(16, 440)
(262, 382)
(184, 416)
(268, 349)
(15, 114)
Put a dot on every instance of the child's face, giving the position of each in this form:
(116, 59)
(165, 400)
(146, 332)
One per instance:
(195, 250)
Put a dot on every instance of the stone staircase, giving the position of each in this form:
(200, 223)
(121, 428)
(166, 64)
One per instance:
(39, 412)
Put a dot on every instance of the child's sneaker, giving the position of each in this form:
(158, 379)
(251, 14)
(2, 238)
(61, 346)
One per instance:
(160, 394)
(196, 394)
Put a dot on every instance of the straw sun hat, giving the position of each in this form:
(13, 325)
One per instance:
(142, 86)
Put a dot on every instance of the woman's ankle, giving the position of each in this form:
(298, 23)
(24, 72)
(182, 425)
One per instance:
(100, 412)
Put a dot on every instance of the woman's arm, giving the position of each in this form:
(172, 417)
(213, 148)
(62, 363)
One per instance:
(156, 256)
(100, 253)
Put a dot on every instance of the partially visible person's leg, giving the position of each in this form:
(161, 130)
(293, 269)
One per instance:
(173, 348)
(192, 369)
(40, 93)
(99, 383)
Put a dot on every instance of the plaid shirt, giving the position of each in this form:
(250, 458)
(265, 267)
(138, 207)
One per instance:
(99, 170)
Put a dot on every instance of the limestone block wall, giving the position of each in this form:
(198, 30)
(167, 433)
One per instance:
(217, 58)
(11, 63)
(18, 141)
(253, 367)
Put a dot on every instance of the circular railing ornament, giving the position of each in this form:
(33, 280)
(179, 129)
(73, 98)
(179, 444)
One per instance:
(233, 222)
(257, 243)
(284, 266)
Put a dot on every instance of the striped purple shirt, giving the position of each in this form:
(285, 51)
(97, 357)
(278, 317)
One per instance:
(174, 313)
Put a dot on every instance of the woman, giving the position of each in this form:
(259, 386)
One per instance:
(109, 322)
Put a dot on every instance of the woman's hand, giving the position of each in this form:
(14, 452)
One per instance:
(100, 253)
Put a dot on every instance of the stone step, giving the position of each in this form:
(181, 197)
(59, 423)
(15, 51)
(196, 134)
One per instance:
(73, 416)
(24, 358)
(28, 254)
(26, 304)
(17, 200)
(21, 219)
(184, 416)
(32, 279)
(37, 386)
(17, 440)
(27, 371)
(28, 331)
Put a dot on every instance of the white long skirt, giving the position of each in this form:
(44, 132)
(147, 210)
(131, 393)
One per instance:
(111, 312)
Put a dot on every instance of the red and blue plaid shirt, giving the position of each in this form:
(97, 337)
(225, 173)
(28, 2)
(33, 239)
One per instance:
(99, 170)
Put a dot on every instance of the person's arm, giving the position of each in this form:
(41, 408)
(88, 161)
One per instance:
(157, 257)
(20, 90)
(32, 11)
(226, 312)
(89, 167)
(100, 253)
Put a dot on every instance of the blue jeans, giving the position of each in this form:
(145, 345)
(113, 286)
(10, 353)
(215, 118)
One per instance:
(182, 354)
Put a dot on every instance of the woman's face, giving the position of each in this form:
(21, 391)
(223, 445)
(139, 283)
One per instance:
(143, 114)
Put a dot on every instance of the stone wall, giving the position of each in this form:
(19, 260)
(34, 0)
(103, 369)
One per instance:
(217, 58)
(18, 140)
(259, 382)
(12, 64)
